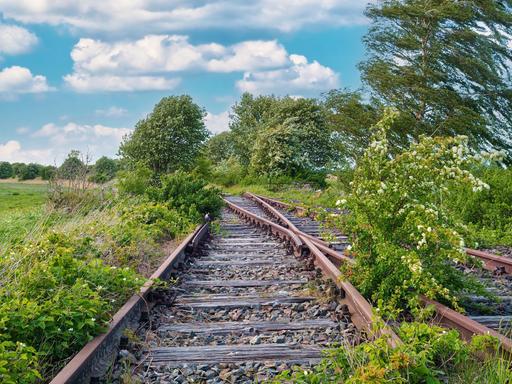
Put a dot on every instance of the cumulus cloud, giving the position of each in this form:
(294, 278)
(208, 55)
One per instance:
(217, 123)
(147, 64)
(12, 151)
(16, 80)
(51, 143)
(153, 16)
(84, 82)
(15, 40)
(301, 76)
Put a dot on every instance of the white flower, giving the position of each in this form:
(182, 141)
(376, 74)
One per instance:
(349, 247)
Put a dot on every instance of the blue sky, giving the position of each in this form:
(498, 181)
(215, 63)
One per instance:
(78, 75)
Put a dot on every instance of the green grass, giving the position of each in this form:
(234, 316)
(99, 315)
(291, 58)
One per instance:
(21, 209)
(16, 196)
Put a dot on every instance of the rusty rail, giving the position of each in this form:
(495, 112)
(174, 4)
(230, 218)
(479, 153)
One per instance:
(491, 261)
(276, 229)
(93, 357)
(360, 309)
(444, 315)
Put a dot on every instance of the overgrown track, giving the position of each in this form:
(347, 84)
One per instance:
(485, 316)
(244, 308)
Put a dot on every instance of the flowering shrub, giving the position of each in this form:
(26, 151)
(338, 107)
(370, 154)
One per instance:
(407, 242)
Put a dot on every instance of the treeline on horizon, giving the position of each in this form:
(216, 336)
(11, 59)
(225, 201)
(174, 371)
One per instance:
(103, 170)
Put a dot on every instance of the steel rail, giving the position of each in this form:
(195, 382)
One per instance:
(321, 244)
(444, 316)
(89, 361)
(491, 261)
(360, 309)
(276, 229)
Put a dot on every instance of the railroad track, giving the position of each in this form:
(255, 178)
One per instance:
(247, 304)
(489, 314)
(252, 301)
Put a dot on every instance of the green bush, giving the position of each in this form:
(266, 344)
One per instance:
(406, 239)
(488, 213)
(188, 195)
(135, 181)
(18, 363)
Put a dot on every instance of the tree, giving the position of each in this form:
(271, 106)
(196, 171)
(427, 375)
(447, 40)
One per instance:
(29, 172)
(293, 149)
(220, 147)
(169, 138)
(445, 64)
(348, 119)
(48, 172)
(105, 170)
(6, 171)
(72, 167)
(18, 168)
(247, 117)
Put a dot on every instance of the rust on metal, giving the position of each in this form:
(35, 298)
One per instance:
(492, 262)
(84, 360)
(276, 229)
(466, 326)
(444, 315)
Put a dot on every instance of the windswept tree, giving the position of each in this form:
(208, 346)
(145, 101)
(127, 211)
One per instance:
(445, 64)
(169, 138)
(349, 117)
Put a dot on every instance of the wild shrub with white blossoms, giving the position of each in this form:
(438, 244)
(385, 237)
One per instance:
(405, 240)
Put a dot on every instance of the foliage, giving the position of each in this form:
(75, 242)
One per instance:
(18, 363)
(220, 147)
(292, 149)
(405, 238)
(105, 170)
(228, 172)
(286, 127)
(429, 354)
(445, 65)
(48, 172)
(188, 195)
(248, 116)
(134, 181)
(489, 213)
(6, 171)
(170, 137)
(72, 167)
(348, 119)
(29, 172)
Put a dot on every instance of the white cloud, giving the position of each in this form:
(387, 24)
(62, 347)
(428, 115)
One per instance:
(52, 142)
(217, 123)
(16, 80)
(15, 40)
(146, 64)
(153, 16)
(111, 112)
(84, 82)
(12, 151)
(301, 76)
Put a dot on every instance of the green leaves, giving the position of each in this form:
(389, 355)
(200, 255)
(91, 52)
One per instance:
(170, 138)
(406, 238)
(445, 66)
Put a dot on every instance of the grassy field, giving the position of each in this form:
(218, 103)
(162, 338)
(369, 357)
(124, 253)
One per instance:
(21, 208)
(16, 196)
